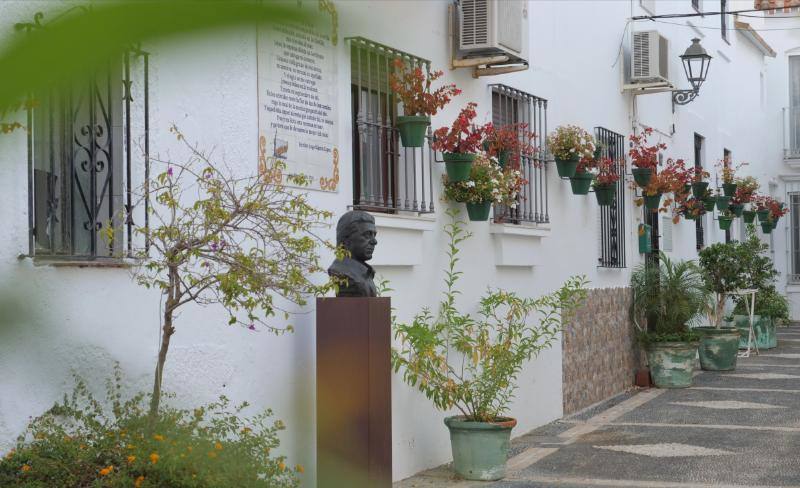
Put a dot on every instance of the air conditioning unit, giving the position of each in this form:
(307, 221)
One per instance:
(493, 27)
(649, 57)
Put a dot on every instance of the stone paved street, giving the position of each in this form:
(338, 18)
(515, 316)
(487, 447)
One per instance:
(736, 429)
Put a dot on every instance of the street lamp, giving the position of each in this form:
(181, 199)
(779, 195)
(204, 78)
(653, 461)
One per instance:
(695, 63)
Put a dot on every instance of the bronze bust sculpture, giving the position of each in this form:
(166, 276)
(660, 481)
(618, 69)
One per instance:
(356, 232)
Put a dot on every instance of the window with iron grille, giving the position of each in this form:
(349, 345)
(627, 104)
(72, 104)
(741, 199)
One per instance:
(794, 222)
(727, 160)
(698, 163)
(387, 177)
(80, 163)
(511, 106)
(612, 217)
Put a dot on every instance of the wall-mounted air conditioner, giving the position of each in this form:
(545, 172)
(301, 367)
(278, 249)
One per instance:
(493, 28)
(649, 58)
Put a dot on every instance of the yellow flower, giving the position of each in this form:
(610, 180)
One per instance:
(212, 454)
(218, 446)
(154, 458)
(25, 468)
(138, 482)
(189, 448)
(106, 471)
(246, 430)
(299, 468)
(282, 466)
(131, 459)
(158, 437)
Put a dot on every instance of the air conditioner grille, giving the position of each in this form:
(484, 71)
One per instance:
(475, 18)
(641, 54)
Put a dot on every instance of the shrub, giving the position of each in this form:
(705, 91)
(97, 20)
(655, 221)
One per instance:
(769, 303)
(79, 442)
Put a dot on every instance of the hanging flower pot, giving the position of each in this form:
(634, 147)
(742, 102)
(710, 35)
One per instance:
(642, 176)
(581, 183)
(763, 215)
(725, 222)
(566, 167)
(479, 212)
(723, 202)
(699, 188)
(652, 202)
(709, 203)
(605, 194)
(736, 208)
(749, 216)
(458, 165)
(729, 189)
(766, 227)
(502, 158)
(412, 129)
(775, 223)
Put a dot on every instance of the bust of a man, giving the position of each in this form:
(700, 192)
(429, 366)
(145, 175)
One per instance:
(356, 232)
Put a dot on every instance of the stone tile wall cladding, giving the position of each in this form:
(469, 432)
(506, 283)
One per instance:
(600, 350)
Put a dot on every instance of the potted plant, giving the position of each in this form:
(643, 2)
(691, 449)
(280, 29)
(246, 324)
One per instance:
(509, 143)
(776, 211)
(667, 180)
(691, 209)
(725, 220)
(470, 362)
(581, 181)
(413, 87)
(771, 308)
(728, 173)
(669, 296)
(709, 200)
(569, 144)
(605, 183)
(460, 143)
(746, 192)
(488, 183)
(644, 158)
(699, 185)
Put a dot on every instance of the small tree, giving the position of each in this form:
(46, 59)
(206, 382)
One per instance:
(234, 242)
(724, 271)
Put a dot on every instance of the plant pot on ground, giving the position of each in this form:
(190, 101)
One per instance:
(770, 307)
(669, 296)
(718, 348)
(494, 341)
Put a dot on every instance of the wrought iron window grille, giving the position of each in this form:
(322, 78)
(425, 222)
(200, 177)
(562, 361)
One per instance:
(387, 177)
(81, 164)
(612, 217)
(511, 106)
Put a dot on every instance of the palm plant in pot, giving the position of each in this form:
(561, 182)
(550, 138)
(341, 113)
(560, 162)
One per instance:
(413, 87)
(488, 183)
(644, 157)
(460, 143)
(471, 362)
(569, 144)
(669, 296)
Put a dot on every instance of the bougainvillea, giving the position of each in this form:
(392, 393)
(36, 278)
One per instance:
(414, 89)
(642, 155)
(607, 173)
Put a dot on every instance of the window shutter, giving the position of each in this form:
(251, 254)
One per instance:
(666, 233)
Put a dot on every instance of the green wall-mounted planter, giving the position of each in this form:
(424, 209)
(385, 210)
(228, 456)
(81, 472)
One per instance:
(605, 194)
(763, 215)
(458, 165)
(566, 167)
(709, 203)
(642, 176)
(479, 212)
(718, 348)
(729, 189)
(723, 202)
(412, 129)
(652, 202)
(671, 363)
(480, 449)
(766, 227)
(699, 188)
(736, 208)
(645, 238)
(725, 222)
(581, 183)
(748, 216)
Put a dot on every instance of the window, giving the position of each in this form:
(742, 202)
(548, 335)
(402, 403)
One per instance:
(386, 176)
(666, 233)
(727, 160)
(794, 222)
(793, 122)
(698, 163)
(612, 217)
(80, 162)
(723, 9)
(512, 106)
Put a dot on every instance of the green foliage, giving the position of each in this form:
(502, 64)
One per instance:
(472, 362)
(79, 442)
(769, 303)
(670, 296)
(487, 182)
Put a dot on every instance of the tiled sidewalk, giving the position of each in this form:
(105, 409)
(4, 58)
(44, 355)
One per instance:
(735, 429)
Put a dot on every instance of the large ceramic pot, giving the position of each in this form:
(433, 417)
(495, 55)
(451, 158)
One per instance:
(767, 325)
(581, 183)
(480, 449)
(479, 212)
(412, 129)
(718, 348)
(642, 176)
(566, 167)
(742, 322)
(458, 165)
(671, 363)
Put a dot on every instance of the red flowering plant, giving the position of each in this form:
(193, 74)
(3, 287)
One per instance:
(690, 208)
(728, 171)
(643, 155)
(413, 86)
(746, 190)
(464, 136)
(698, 174)
(671, 179)
(607, 174)
(776, 209)
(513, 140)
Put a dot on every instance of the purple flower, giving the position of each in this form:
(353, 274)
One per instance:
(252, 326)
(169, 171)
(213, 246)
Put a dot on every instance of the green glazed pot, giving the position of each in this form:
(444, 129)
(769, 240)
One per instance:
(642, 176)
(566, 167)
(605, 194)
(749, 216)
(774, 223)
(723, 202)
(763, 215)
(412, 129)
(725, 222)
(479, 212)
(766, 326)
(652, 202)
(699, 188)
(718, 348)
(709, 203)
(581, 183)
(671, 363)
(736, 208)
(772, 333)
(480, 449)
(458, 165)
(766, 227)
(729, 189)
(741, 323)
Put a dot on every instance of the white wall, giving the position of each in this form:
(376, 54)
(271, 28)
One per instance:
(87, 318)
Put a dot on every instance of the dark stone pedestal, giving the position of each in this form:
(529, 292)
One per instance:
(354, 415)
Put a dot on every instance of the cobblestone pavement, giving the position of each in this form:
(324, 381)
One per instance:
(733, 429)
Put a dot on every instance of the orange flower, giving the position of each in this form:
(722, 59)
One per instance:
(138, 482)
(282, 466)
(158, 437)
(212, 454)
(131, 459)
(154, 458)
(299, 468)
(189, 448)
(25, 468)
(106, 471)
(218, 446)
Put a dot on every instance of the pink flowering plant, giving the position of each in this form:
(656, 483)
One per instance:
(464, 136)
(487, 182)
(413, 87)
(569, 142)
